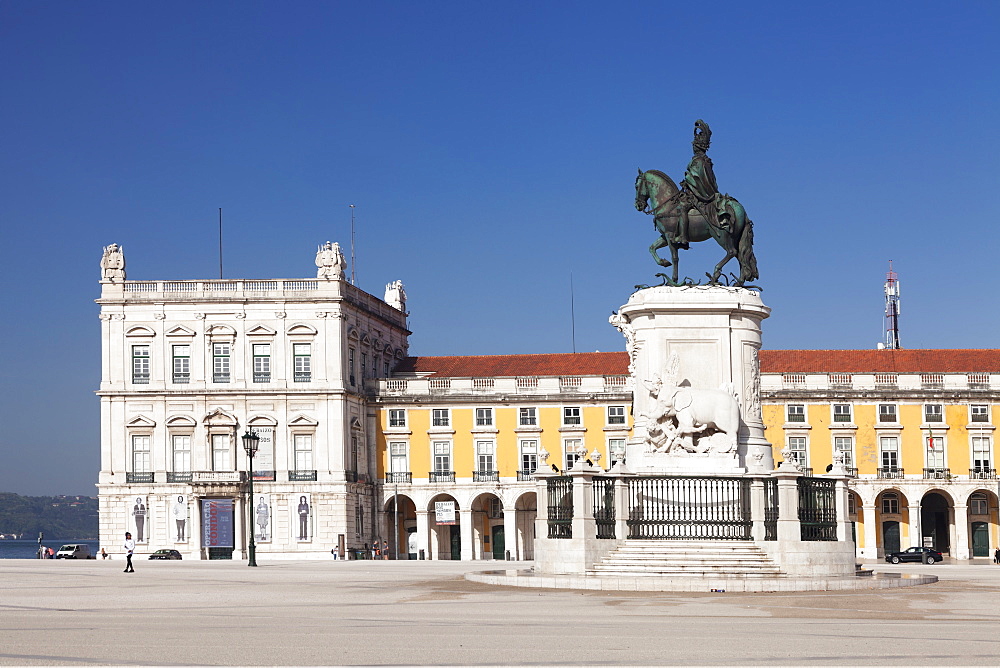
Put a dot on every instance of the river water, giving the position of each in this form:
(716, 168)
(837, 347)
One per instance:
(28, 549)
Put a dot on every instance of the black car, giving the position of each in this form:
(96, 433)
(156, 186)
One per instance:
(918, 554)
(165, 554)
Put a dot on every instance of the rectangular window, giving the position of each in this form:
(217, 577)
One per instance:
(978, 504)
(484, 417)
(440, 417)
(529, 456)
(397, 458)
(140, 454)
(616, 450)
(981, 459)
(364, 364)
(385, 369)
(262, 362)
(571, 448)
(889, 450)
(140, 365)
(303, 452)
(485, 456)
(222, 456)
(887, 413)
(527, 417)
(182, 364)
(374, 367)
(616, 415)
(933, 413)
(350, 365)
(220, 362)
(842, 413)
(797, 451)
(845, 446)
(572, 416)
(890, 504)
(442, 457)
(182, 454)
(353, 458)
(397, 417)
(979, 413)
(796, 413)
(302, 352)
(935, 452)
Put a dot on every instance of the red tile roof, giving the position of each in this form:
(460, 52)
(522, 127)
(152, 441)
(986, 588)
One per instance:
(771, 361)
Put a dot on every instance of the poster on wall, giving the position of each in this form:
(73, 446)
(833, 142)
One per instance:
(217, 523)
(302, 514)
(444, 512)
(262, 518)
(138, 512)
(263, 461)
(179, 517)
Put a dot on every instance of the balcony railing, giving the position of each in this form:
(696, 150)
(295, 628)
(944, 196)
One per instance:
(526, 476)
(261, 377)
(796, 417)
(217, 476)
(852, 471)
(399, 476)
(302, 476)
(220, 378)
(178, 476)
(264, 475)
(302, 377)
(182, 378)
(937, 474)
(485, 476)
(140, 478)
(890, 472)
(982, 474)
(351, 476)
(140, 379)
(441, 476)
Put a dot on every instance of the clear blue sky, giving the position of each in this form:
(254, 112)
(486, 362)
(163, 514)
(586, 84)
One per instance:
(491, 150)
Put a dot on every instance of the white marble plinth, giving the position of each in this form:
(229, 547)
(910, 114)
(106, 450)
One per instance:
(696, 463)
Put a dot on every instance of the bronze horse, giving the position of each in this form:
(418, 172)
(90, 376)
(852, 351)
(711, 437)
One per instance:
(657, 194)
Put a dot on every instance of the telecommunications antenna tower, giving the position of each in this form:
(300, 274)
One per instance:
(891, 309)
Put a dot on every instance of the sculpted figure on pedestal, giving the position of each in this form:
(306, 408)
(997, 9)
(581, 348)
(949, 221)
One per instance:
(113, 263)
(395, 296)
(331, 262)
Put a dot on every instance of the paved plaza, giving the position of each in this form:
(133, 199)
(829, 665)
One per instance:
(392, 613)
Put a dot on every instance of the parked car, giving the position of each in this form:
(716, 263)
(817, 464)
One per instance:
(918, 554)
(74, 551)
(165, 554)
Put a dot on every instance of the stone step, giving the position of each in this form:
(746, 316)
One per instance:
(693, 558)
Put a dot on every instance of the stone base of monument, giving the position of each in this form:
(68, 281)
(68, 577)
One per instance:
(703, 463)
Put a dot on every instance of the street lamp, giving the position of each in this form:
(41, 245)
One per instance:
(251, 441)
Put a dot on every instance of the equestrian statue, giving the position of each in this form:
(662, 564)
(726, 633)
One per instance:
(696, 211)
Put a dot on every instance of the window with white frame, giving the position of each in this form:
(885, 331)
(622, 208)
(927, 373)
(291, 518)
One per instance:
(979, 504)
(442, 456)
(181, 446)
(220, 362)
(484, 417)
(529, 456)
(852, 504)
(933, 413)
(350, 365)
(981, 457)
(979, 413)
(934, 448)
(845, 446)
(140, 364)
(222, 453)
(302, 362)
(352, 459)
(181, 363)
(797, 451)
(398, 457)
(796, 413)
(842, 413)
(397, 417)
(616, 450)
(616, 415)
(262, 362)
(303, 445)
(571, 448)
(440, 417)
(887, 413)
(527, 417)
(485, 451)
(890, 503)
(889, 452)
(572, 416)
(141, 462)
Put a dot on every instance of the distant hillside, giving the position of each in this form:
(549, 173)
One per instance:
(57, 516)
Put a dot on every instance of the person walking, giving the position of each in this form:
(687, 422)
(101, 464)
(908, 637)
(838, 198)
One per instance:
(996, 556)
(129, 547)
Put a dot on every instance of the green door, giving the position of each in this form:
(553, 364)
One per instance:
(498, 546)
(980, 539)
(456, 542)
(890, 536)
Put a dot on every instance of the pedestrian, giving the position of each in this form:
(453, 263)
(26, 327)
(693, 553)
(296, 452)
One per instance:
(996, 556)
(336, 554)
(129, 547)
(104, 555)
(385, 550)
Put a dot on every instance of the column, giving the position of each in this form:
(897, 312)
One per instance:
(843, 521)
(757, 503)
(915, 538)
(622, 505)
(789, 528)
(423, 534)
(239, 528)
(510, 533)
(465, 524)
(870, 535)
(961, 550)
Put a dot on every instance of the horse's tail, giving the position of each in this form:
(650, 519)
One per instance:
(747, 260)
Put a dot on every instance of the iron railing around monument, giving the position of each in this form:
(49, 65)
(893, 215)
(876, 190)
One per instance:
(560, 505)
(770, 509)
(817, 508)
(689, 508)
(604, 507)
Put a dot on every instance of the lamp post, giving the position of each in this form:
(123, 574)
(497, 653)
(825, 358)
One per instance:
(251, 441)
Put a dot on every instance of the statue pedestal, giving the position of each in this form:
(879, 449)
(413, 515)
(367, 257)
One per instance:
(715, 331)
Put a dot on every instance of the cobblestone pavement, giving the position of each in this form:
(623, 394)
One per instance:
(392, 613)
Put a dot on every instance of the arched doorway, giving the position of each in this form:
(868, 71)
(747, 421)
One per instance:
(526, 508)
(982, 514)
(891, 517)
(401, 527)
(445, 533)
(935, 522)
(488, 539)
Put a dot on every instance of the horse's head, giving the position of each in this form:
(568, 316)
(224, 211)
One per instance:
(641, 192)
